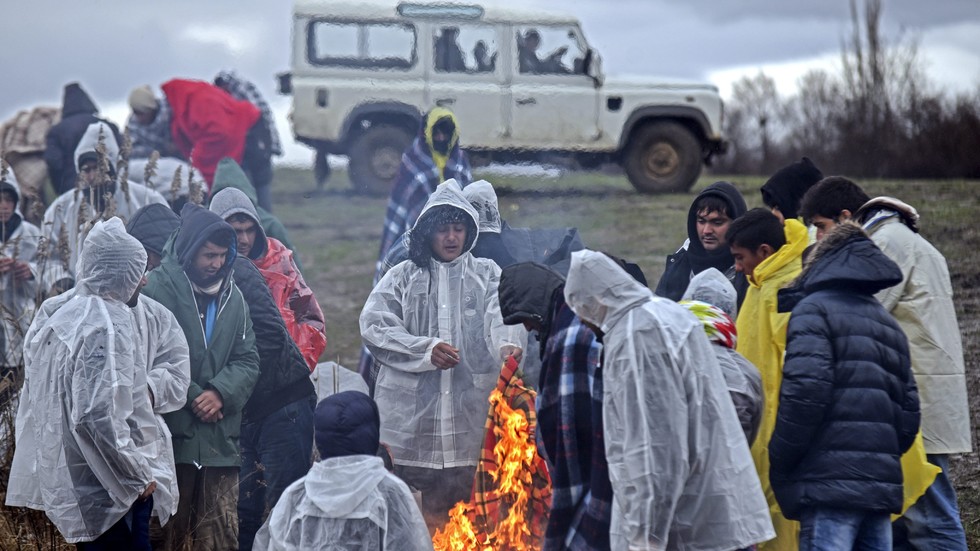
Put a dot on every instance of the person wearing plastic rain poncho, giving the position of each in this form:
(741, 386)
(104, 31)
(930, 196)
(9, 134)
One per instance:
(713, 300)
(433, 323)
(18, 274)
(680, 469)
(72, 214)
(348, 500)
(86, 431)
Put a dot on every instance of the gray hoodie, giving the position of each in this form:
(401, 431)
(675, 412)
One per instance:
(231, 201)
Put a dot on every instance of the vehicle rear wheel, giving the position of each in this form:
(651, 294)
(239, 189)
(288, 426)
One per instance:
(375, 155)
(662, 157)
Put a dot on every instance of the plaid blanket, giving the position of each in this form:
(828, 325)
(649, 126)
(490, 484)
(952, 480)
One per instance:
(156, 136)
(242, 89)
(490, 506)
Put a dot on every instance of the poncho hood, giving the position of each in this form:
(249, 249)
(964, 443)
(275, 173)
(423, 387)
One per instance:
(153, 225)
(75, 101)
(90, 141)
(231, 201)
(230, 175)
(447, 194)
(599, 291)
(111, 262)
(712, 287)
(481, 195)
(339, 485)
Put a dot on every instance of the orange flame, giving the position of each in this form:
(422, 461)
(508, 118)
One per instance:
(515, 454)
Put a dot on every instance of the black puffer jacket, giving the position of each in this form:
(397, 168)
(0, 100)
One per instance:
(694, 259)
(78, 111)
(283, 375)
(848, 405)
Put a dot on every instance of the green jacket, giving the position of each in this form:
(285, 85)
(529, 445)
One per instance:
(229, 174)
(229, 365)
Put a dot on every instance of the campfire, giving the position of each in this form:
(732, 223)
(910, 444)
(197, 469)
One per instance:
(512, 491)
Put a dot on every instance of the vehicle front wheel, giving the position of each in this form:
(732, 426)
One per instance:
(662, 157)
(375, 155)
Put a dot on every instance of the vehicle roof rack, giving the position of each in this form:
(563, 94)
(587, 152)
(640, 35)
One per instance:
(441, 10)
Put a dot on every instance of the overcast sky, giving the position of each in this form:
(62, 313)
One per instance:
(111, 46)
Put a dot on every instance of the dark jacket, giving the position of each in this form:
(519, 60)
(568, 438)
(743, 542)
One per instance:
(283, 375)
(78, 111)
(848, 405)
(685, 263)
(153, 225)
(227, 363)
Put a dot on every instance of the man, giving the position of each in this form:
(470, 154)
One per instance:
(569, 407)
(149, 125)
(433, 325)
(153, 225)
(293, 297)
(85, 421)
(433, 158)
(348, 500)
(665, 409)
(922, 302)
(195, 283)
(768, 254)
(848, 407)
(708, 219)
(783, 192)
(19, 240)
(78, 113)
(100, 195)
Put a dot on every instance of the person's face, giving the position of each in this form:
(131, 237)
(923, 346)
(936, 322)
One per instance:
(533, 42)
(747, 260)
(448, 240)
(145, 117)
(245, 232)
(134, 300)
(90, 173)
(153, 261)
(824, 224)
(711, 228)
(209, 259)
(7, 207)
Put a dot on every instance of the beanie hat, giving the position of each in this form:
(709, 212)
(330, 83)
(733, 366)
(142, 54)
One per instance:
(785, 189)
(142, 99)
(347, 423)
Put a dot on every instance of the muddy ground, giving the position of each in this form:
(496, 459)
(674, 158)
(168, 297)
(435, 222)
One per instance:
(338, 232)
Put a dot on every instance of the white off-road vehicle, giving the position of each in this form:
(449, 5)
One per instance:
(524, 86)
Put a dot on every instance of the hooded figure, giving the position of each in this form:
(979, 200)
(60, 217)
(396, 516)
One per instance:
(432, 417)
(711, 298)
(153, 225)
(86, 427)
(848, 406)
(348, 500)
(293, 297)
(491, 245)
(19, 240)
(428, 162)
(672, 436)
(569, 407)
(692, 258)
(785, 189)
(72, 214)
(78, 113)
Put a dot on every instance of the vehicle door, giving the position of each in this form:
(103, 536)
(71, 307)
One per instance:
(554, 103)
(466, 76)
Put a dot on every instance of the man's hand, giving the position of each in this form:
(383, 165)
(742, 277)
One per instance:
(22, 271)
(514, 351)
(445, 356)
(6, 264)
(147, 492)
(208, 406)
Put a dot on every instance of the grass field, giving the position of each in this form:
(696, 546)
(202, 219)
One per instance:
(338, 234)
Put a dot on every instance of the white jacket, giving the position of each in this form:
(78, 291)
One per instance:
(923, 305)
(680, 468)
(345, 503)
(17, 298)
(87, 440)
(430, 417)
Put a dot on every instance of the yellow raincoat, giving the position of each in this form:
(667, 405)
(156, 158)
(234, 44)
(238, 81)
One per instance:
(762, 339)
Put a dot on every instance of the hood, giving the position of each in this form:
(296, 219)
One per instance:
(481, 195)
(845, 259)
(797, 240)
(599, 291)
(428, 122)
(712, 287)
(230, 201)
(153, 225)
(197, 226)
(727, 193)
(111, 262)
(448, 194)
(788, 185)
(90, 141)
(230, 175)
(528, 292)
(75, 101)
(9, 183)
(641, 83)
(339, 485)
(871, 212)
(345, 424)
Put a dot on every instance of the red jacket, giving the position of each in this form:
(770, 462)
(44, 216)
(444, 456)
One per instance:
(207, 124)
(298, 306)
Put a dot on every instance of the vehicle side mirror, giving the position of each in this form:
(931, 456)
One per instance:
(592, 66)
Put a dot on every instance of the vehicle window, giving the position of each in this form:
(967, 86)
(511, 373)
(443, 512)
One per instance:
(549, 50)
(363, 45)
(465, 49)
